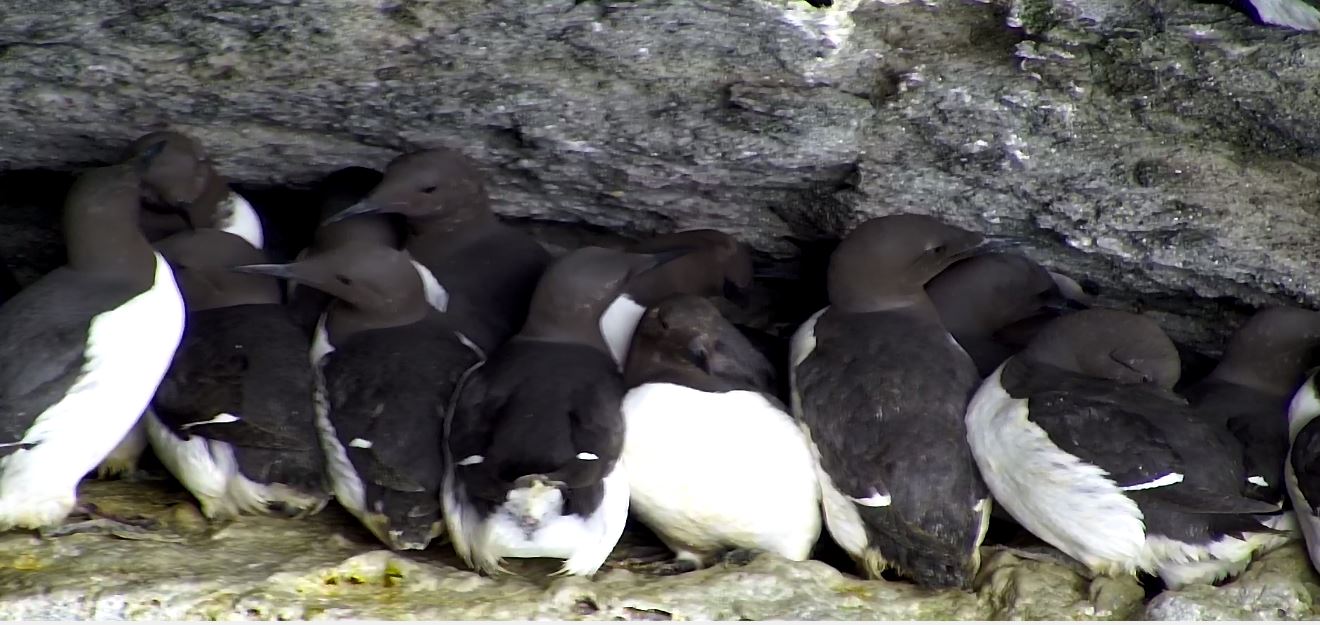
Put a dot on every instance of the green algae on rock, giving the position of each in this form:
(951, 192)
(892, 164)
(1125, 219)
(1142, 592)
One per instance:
(328, 567)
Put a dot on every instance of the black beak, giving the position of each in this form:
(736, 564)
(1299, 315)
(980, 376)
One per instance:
(991, 244)
(363, 207)
(775, 270)
(656, 260)
(1060, 304)
(1078, 296)
(274, 270)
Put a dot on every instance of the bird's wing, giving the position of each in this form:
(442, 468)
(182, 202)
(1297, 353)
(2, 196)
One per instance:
(1305, 459)
(43, 340)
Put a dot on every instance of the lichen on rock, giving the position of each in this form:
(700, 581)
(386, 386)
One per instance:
(328, 567)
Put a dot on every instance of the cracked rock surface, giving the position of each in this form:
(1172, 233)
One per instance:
(1166, 152)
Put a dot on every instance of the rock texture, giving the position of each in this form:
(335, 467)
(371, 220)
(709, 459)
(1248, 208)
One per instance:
(328, 567)
(1280, 586)
(1167, 151)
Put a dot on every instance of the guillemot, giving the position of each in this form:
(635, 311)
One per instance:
(1081, 439)
(534, 438)
(233, 418)
(83, 348)
(1302, 471)
(1249, 391)
(880, 388)
(488, 267)
(714, 264)
(339, 190)
(714, 459)
(993, 304)
(386, 363)
(181, 190)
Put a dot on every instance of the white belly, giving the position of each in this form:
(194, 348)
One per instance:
(209, 470)
(1053, 494)
(129, 350)
(715, 470)
(123, 459)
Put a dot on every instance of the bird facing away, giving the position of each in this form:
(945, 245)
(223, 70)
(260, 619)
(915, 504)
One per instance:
(714, 460)
(233, 419)
(880, 387)
(536, 432)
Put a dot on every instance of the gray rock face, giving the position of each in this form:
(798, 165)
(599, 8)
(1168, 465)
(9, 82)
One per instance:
(1166, 152)
(1280, 586)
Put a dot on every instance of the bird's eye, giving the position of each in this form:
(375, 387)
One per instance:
(430, 189)
(344, 280)
(938, 249)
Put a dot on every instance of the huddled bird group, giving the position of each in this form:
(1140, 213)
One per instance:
(440, 374)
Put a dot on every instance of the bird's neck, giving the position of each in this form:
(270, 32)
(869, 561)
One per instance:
(907, 300)
(343, 320)
(1269, 368)
(106, 241)
(469, 221)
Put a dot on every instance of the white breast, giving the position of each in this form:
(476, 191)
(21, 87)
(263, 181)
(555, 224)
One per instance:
(128, 351)
(714, 470)
(801, 346)
(1304, 406)
(344, 480)
(618, 324)
(236, 216)
(1064, 501)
